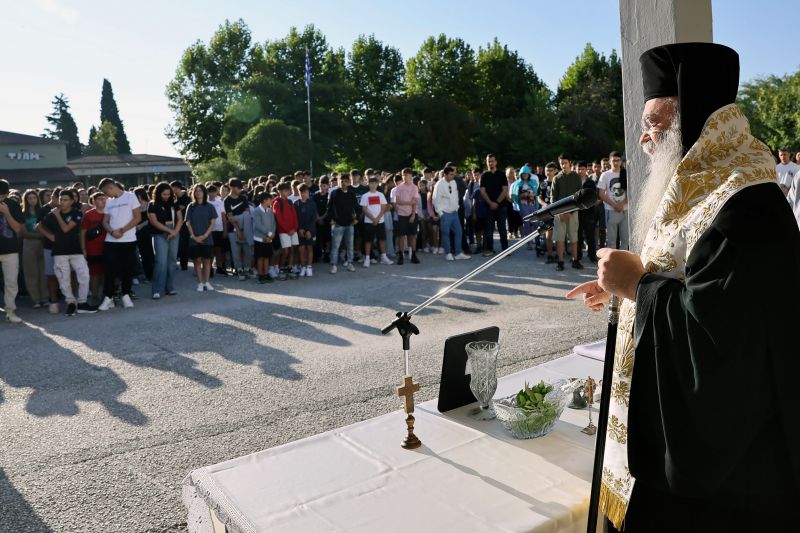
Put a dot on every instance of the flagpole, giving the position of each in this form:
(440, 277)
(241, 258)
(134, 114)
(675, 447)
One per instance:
(308, 104)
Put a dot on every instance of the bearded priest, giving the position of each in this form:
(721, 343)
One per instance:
(703, 427)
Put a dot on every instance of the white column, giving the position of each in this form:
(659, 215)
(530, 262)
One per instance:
(645, 24)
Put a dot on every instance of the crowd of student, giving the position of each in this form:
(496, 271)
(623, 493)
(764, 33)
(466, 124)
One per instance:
(90, 246)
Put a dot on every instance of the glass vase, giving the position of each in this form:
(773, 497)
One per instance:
(482, 358)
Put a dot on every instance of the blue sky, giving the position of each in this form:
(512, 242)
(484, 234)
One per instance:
(69, 46)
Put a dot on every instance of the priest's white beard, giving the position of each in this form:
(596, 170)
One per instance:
(664, 159)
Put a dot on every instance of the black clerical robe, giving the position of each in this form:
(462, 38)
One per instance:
(713, 437)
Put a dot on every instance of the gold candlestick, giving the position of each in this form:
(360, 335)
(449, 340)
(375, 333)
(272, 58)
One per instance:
(406, 391)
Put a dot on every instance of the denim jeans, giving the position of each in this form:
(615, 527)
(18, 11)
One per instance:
(164, 264)
(338, 232)
(449, 222)
(617, 225)
(496, 217)
(245, 221)
(388, 223)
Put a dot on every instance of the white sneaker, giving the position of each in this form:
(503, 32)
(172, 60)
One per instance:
(432, 250)
(105, 305)
(127, 303)
(309, 271)
(440, 250)
(462, 255)
(53, 308)
(386, 261)
(12, 317)
(156, 296)
(373, 260)
(428, 250)
(333, 269)
(350, 267)
(201, 287)
(296, 270)
(366, 262)
(209, 287)
(303, 272)
(449, 257)
(135, 281)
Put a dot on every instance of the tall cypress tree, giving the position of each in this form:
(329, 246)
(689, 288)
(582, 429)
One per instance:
(110, 113)
(63, 127)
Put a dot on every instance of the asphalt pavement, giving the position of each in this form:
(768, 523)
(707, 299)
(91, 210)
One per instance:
(102, 416)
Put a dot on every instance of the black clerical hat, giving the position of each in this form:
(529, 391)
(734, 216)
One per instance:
(704, 77)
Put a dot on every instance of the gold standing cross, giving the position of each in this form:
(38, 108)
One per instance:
(406, 391)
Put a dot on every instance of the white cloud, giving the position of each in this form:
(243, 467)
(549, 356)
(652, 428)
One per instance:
(57, 8)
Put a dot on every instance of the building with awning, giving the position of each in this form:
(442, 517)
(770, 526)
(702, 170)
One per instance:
(28, 161)
(130, 169)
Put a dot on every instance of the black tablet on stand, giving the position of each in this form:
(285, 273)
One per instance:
(454, 386)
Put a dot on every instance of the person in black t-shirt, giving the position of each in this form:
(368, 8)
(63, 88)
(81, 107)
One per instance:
(166, 221)
(237, 212)
(182, 201)
(320, 199)
(62, 227)
(587, 218)
(494, 190)
(11, 222)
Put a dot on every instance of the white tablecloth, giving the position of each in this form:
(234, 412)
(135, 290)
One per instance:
(467, 476)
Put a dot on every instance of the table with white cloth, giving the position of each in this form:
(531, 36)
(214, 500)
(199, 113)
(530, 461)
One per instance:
(468, 475)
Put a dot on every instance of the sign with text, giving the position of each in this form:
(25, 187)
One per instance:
(24, 155)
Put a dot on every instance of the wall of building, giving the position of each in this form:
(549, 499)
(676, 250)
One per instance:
(32, 156)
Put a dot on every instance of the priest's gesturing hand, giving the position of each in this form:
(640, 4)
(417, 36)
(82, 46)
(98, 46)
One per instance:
(618, 272)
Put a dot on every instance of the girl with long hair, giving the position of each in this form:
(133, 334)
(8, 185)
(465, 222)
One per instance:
(200, 216)
(166, 221)
(33, 249)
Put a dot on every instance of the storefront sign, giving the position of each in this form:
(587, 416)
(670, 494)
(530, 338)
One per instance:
(24, 155)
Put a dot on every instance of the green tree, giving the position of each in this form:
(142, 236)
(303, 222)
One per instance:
(216, 169)
(429, 130)
(516, 115)
(279, 84)
(271, 146)
(63, 127)
(206, 83)
(103, 141)
(772, 105)
(589, 104)
(110, 113)
(443, 68)
(375, 75)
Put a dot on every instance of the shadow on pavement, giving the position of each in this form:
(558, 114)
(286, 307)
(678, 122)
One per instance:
(17, 514)
(59, 379)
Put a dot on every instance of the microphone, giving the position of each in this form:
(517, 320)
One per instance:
(583, 199)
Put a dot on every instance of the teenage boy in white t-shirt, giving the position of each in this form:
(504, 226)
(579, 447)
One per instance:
(786, 170)
(374, 206)
(123, 213)
(615, 199)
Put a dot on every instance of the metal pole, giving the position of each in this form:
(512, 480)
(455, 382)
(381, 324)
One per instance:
(602, 423)
(308, 105)
(488, 264)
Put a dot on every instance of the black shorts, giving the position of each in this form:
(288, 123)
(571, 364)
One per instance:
(263, 250)
(203, 251)
(219, 238)
(405, 227)
(369, 231)
(305, 242)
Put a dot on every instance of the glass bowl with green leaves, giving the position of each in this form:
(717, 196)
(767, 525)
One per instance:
(534, 410)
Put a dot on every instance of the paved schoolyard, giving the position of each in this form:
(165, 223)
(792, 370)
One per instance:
(103, 415)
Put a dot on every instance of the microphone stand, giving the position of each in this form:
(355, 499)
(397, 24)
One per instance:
(602, 423)
(403, 320)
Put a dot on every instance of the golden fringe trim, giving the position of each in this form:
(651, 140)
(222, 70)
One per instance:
(613, 506)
